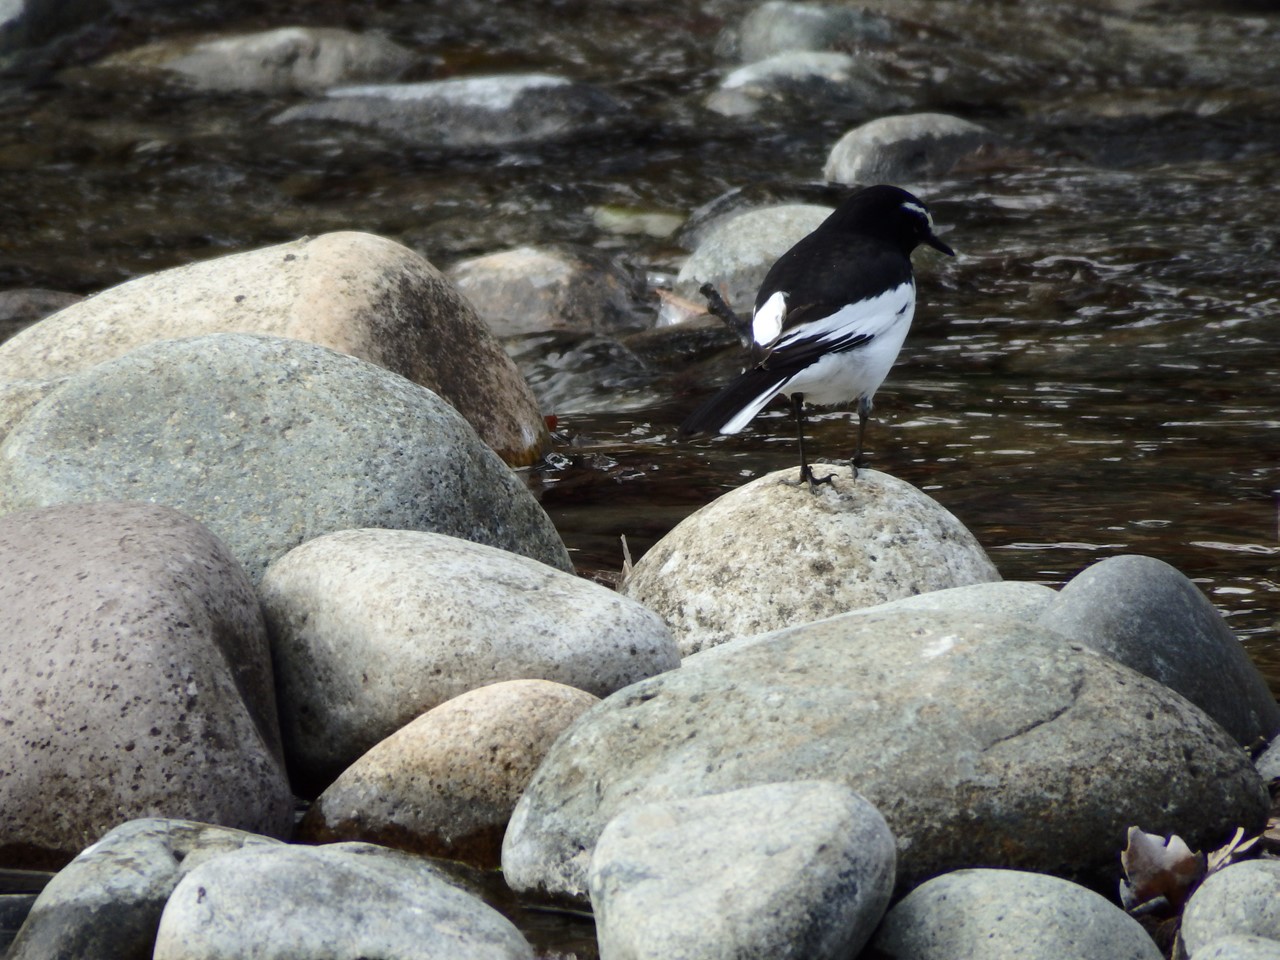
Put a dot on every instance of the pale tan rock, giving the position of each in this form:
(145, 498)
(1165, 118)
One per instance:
(771, 554)
(533, 290)
(446, 784)
(356, 293)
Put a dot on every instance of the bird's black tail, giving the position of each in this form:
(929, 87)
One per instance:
(737, 404)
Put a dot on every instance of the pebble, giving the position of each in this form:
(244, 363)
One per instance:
(445, 784)
(713, 579)
(779, 870)
(373, 628)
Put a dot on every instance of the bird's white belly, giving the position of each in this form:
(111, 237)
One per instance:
(852, 374)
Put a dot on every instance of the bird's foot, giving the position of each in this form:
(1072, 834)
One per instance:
(806, 476)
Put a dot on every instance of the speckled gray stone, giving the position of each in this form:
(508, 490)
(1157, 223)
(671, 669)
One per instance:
(341, 902)
(1242, 899)
(270, 442)
(907, 149)
(135, 680)
(106, 903)
(780, 870)
(1010, 915)
(1144, 613)
(1009, 599)
(850, 545)
(962, 730)
(371, 628)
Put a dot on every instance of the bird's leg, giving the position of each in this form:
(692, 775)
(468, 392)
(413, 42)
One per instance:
(864, 411)
(806, 472)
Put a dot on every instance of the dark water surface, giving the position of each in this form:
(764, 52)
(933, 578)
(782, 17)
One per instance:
(1097, 372)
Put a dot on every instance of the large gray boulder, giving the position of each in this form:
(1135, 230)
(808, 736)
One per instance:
(344, 901)
(779, 870)
(962, 730)
(372, 628)
(106, 903)
(352, 292)
(135, 680)
(771, 554)
(270, 442)
(1145, 614)
(1010, 915)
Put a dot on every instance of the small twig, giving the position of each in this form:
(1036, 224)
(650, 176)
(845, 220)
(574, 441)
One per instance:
(626, 558)
(718, 308)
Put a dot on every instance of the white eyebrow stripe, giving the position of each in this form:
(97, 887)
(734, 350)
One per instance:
(916, 208)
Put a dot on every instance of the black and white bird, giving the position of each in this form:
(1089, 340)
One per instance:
(830, 317)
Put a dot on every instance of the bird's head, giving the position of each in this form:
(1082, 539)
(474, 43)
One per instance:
(888, 213)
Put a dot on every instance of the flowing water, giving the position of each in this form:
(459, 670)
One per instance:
(1097, 372)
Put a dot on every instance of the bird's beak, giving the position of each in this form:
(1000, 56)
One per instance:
(937, 244)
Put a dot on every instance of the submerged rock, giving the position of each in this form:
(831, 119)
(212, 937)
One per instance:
(270, 442)
(908, 149)
(469, 113)
(777, 27)
(1010, 915)
(735, 254)
(837, 85)
(272, 61)
(962, 730)
(135, 678)
(770, 554)
(779, 870)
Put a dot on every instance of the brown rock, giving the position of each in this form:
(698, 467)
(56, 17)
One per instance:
(446, 784)
(352, 292)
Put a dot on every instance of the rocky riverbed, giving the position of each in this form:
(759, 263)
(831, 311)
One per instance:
(314, 612)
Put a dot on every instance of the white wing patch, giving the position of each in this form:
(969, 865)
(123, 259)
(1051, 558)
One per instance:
(869, 318)
(767, 322)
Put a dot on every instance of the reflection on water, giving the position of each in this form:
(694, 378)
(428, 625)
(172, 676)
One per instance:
(1097, 372)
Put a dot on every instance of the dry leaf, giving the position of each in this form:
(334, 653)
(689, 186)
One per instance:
(1156, 868)
(1235, 849)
